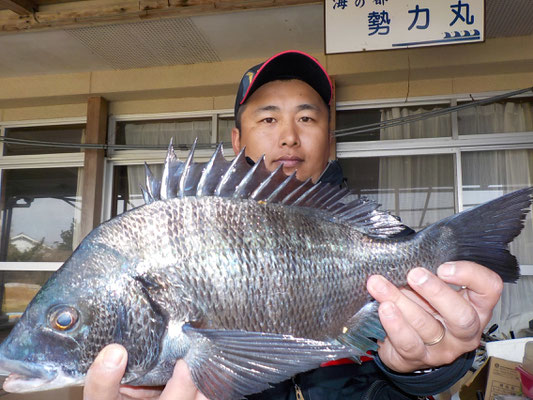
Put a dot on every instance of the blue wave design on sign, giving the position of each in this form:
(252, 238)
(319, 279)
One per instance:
(455, 36)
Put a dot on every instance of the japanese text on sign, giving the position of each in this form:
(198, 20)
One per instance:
(361, 25)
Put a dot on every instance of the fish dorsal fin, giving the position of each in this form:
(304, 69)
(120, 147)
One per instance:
(213, 173)
(241, 179)
(252, 180)
(237, 170)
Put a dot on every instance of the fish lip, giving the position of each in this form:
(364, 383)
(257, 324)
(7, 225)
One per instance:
(24, 369)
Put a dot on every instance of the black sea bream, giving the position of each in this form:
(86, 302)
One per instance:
(249, 276)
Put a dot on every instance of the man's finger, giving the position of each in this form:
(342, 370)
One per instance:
(103, 378)
(460, 317)
(181, 386)
(484, 286)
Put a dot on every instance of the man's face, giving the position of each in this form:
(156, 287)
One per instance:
(287, 121)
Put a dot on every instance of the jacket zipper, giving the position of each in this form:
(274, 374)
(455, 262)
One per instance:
(373, 389)
(297, 391)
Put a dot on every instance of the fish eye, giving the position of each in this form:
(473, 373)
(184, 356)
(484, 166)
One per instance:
(63, 318)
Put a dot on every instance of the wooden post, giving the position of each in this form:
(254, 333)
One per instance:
(93, 167)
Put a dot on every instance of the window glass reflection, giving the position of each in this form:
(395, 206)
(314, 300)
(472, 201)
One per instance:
(127, 182)
(490, 174)
(418, 189)
(17, 288)
(72, 134)
(150, 133)
(504, 117)
(41, 211)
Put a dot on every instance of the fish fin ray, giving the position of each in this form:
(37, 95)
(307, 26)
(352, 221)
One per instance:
(482, 234)
(213, 172)
(252, 360)
(236, 171)
(365, 324)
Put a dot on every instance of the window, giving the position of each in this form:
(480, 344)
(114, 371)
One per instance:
(145, 136)
(419, 180)
(40, 209)
(432, 168)
(48, 135)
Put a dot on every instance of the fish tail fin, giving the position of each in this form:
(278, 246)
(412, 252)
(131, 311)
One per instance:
(482, 234)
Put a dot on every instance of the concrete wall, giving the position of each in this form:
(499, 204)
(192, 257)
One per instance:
(497, 64)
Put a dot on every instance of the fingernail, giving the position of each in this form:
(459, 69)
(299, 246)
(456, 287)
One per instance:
(112, 357)
(418, 276)
(387, 310)
(447, 269)
(379, 284)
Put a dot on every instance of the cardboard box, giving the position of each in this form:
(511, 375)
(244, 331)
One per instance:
(496, 376)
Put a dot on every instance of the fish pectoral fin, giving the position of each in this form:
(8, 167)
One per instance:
(230, 364)
(362, 326)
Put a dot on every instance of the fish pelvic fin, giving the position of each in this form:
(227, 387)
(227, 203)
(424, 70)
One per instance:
(482, 234)
(362, 328)
(228, 364)
(241, 179)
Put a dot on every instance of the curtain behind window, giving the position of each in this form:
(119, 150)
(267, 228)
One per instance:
(486, 175)
(153, 133)
(423, 183)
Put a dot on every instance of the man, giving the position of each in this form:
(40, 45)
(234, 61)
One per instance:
(282, 111)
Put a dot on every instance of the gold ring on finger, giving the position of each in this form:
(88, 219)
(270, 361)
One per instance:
(439, 338)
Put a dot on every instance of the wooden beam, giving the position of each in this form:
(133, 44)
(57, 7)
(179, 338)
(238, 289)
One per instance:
(21, 7)
(93, 167)
(99, 12)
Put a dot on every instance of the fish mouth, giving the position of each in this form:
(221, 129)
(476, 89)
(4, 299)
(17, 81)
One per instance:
(29, 377)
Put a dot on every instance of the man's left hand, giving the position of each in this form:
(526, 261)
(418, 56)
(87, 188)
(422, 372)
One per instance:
(433, 324)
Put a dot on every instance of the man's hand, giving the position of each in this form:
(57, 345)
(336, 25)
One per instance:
(103, 380)
(414, 319)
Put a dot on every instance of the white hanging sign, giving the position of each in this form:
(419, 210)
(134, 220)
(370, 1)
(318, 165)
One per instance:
(361, 25)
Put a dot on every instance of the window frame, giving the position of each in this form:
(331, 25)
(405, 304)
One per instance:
(58, 160)
(456, 144)
(139, 157)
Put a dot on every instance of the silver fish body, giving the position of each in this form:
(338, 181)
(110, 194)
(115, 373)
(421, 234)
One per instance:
(247, 289)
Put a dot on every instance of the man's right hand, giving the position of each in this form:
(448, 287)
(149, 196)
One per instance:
(103, 380)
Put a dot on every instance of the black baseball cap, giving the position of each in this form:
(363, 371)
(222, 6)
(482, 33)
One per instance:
(291, 64)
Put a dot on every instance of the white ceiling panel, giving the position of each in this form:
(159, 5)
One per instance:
(261, 33)
(257, 33)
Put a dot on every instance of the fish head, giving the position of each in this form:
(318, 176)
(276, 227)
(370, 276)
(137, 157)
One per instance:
(44, 349)
(87, 304)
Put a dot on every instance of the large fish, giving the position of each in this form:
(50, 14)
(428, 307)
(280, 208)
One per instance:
(249, 276)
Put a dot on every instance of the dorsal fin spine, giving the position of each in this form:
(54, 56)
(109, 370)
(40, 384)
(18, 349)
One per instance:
(186, 170)
(222, 186)
(256, 193)
(166, 187)
(308, 194)
(323, 193)
(242, 190)
(286, 182)
(290, 198)
(203, 184)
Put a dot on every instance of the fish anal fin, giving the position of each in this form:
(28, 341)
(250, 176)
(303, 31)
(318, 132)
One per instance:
(229, 364)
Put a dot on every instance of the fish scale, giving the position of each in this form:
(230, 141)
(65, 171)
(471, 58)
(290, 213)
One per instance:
(247, 275)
